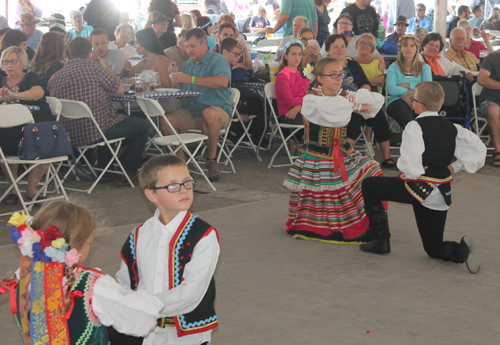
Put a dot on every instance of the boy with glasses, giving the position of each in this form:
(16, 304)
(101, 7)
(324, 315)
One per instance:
(428, 147)
(172, 255)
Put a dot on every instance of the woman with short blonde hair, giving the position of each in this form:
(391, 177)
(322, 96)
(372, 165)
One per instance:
(124, 33)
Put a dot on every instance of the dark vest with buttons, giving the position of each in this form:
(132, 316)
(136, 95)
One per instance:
(181, 246)
(439, 137)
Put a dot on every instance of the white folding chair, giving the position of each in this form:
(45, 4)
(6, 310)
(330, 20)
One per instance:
(79, 110)
(153, 109)
(16, 115)
(55, 106)
(270, 92)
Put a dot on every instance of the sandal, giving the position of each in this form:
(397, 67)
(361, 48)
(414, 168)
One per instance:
(389, 164)
(11, 199)
(495, 160)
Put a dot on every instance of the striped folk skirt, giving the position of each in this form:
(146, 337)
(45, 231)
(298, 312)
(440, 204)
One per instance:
(325, 207)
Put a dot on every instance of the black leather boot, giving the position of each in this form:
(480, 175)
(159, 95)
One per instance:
(379, 228)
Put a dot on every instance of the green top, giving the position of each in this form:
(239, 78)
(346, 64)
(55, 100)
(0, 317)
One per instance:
(296, 8)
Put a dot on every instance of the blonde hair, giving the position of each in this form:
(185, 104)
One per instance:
(420, 29)
(125, 25)
(148, 177)
(494, 15)
(366, 37)
(21, 55)
(187, 21)
(431, 94)
(417, 66)
(74, 222)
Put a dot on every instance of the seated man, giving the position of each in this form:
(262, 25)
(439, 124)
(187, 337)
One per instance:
(463, 12)
(28, 22)
(476, 21)
(159, 23)
(299, 22)
(457, 53)
(420, 20)
(207, 72)
(489, 79)
(227, 30)
(178, 55)
(85, 80)
(113, 58)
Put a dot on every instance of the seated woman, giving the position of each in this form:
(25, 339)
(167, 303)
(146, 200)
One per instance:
(146, 43)
(49, 58)
(78, 29)
(420, 33)
(291, 87)
(402, 78)
(325, 181)
(355, 79)
(373, 67)
(16, 38)
(493, 21)
(21, 88)
(430, 47)
(311, 47)
(124, 33)
(206, 25)
(159, 23)
(187, 22)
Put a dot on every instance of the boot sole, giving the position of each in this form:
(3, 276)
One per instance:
(373, 248)
(472, 262)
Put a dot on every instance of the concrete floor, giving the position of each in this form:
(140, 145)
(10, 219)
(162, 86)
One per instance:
(272, 289)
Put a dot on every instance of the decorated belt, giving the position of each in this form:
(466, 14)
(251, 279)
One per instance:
(165, 322)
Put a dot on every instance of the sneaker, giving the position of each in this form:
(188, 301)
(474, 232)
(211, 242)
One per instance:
(471, 258)
(213, 170)
(121, 180)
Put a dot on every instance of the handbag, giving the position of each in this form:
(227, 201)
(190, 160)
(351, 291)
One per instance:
(44, 140)
(407, 98)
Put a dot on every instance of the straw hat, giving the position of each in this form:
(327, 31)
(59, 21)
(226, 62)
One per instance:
(27, 18)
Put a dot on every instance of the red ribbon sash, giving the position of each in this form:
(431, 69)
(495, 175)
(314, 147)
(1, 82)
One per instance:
(11, 286)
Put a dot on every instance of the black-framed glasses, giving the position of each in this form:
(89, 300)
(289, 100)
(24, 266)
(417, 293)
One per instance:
(12, 62)
(415, 100)
(345, 23)
(366, 44)
(334, 75)
(237, 54)
(175, 187)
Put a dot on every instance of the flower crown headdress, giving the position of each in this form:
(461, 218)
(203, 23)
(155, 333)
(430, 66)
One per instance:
(293, 42)
(407, 36)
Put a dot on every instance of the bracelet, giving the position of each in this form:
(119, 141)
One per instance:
(192, 80)
(105, 66)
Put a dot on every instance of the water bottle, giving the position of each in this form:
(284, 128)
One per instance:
(253, 53)
(381, 30)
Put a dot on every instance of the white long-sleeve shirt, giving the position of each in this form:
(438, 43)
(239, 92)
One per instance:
(470, 152)
(152, 252)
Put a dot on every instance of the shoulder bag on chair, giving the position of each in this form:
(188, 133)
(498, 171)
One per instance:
(44, 140)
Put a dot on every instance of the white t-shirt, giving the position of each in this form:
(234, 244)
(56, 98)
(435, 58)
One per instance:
(128, 50)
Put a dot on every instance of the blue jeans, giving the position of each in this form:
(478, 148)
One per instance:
(401, 112)
(135, 131)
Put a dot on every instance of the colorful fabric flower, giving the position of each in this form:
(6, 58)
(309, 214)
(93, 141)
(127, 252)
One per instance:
(308, 72)
(27, 240)
(39, 254)
(18, 219)
(71, 258)
(49, 235)
(55, 254)
(14, 234)
(58, 243)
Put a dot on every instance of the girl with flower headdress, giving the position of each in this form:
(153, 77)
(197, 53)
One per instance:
(57, 301)
(291, 86)
(402, 78)
(325, 181)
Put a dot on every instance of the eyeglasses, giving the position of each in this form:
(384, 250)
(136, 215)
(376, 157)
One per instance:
(237, 54)
(12, 62)
(366, 44)
(334, 75)
(175, 187)
(345, 23)
(303, 39)
(415, 100)
(419, 9)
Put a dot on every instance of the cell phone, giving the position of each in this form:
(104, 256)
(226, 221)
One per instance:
(348, 33)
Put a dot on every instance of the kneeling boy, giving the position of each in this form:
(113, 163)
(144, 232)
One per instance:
(172, 255)
(427, 149)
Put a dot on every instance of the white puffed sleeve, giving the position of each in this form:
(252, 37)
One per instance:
(469, 150)
(129, 312)
(326, 110)
(374, 99)
(412, 148)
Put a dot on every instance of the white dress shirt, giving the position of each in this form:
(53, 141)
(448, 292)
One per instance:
(470, 152)
(152, 263)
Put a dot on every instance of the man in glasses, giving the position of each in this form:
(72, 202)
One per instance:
(430, 144)
(364, 17)
(420, 20)
(463, 12)
(478, 18)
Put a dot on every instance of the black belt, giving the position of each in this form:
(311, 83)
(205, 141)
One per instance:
(165, 322)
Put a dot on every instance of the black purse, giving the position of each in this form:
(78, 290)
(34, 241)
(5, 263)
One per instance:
(44, 140)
